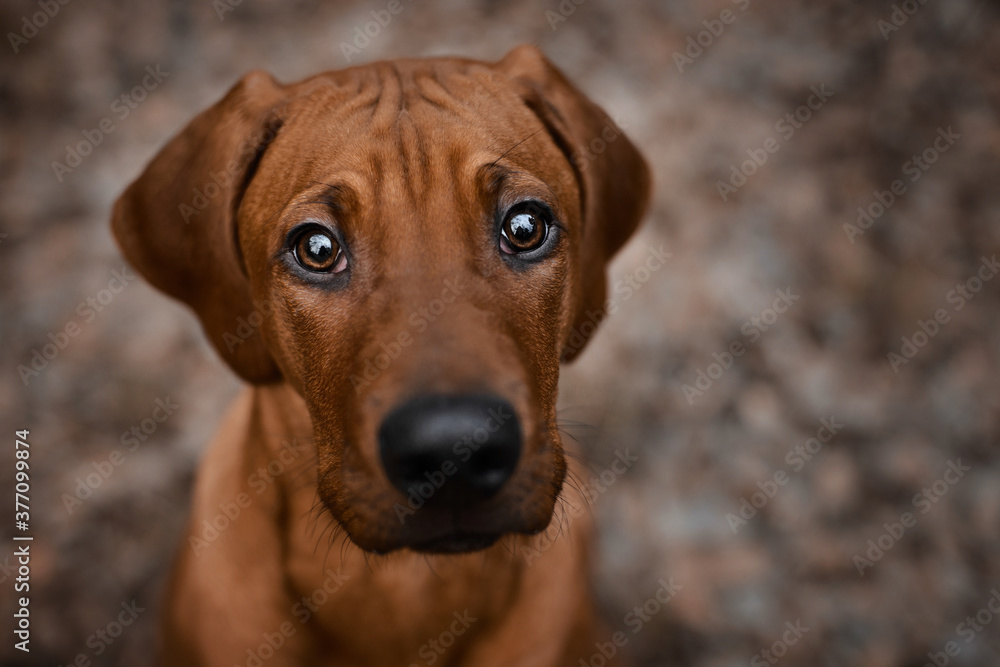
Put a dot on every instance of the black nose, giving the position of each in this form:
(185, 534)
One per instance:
(451, 449)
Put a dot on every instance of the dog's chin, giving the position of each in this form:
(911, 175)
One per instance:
(448, 543)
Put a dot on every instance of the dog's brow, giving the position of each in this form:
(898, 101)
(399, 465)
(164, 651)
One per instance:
(516, 145)
(332, 196)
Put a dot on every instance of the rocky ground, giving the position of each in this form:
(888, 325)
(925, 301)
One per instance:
(811, 393)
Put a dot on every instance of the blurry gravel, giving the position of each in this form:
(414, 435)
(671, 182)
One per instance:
(825, 358)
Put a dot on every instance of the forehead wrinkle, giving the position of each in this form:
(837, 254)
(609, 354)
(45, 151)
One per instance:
(433, 87)
(419, 103)
(468, 95)
(394, 138)
(350, 95)
(414, 158)
(390, 96)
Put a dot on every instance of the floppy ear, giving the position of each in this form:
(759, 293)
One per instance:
(176, 224)
(612, 175)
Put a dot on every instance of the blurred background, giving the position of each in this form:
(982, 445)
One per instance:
(795, 380)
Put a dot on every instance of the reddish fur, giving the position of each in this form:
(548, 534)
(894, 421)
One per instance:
(419, 152)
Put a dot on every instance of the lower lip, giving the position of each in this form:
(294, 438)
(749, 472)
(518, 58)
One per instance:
(456, 544)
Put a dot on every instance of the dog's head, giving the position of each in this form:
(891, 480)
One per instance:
(412, 245)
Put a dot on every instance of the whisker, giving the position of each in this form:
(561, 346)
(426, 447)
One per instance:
(492, 164)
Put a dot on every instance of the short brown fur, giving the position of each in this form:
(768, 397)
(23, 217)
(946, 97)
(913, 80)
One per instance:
(409, 160)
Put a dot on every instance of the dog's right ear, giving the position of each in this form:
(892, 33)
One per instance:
(176, 224)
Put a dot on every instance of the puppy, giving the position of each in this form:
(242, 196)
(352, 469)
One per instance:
(395, 258)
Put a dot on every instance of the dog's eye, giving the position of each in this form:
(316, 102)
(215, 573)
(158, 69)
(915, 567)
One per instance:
(316, 250)
(524, 229)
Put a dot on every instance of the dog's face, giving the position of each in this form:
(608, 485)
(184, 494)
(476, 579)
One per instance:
(413, 246)
(408, 257)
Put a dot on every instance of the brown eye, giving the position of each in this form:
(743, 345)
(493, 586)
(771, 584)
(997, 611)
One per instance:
(317, 251)
(524, 229)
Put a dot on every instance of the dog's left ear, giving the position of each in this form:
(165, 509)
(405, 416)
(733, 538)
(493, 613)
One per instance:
(611, 173)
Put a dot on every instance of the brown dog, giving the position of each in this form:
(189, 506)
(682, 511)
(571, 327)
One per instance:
(396, 257)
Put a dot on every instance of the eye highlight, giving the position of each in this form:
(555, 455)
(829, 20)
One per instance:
(316, 250)
(525, 228)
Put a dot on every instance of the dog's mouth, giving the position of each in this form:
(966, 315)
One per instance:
(456, 543)
(458, 472)
(436, 529)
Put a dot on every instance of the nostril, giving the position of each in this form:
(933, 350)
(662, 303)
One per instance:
(488, 482)
(463, 448)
